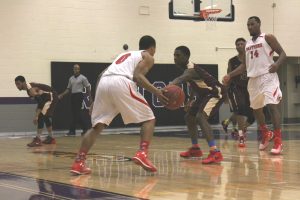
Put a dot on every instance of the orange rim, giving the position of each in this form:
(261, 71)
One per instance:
(205, 13)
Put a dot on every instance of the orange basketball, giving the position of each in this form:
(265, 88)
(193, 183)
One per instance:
(176, 97)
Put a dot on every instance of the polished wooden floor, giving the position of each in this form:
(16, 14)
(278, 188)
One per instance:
(245, 173)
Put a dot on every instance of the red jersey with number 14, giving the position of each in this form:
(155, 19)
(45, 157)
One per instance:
(259, 56)
(124, 64)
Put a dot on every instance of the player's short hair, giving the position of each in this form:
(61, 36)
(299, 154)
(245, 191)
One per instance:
(255, 18)
(185, 50)
(20, 78)
(146, 42)
(239, 39)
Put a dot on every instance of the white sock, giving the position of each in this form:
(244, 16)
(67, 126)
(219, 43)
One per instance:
(241, 133)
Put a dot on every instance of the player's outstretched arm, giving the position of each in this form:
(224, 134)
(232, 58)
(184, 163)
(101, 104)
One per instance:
(64, 93)
(139, 76)
(229, 69)
(187, 75)
(239, 70)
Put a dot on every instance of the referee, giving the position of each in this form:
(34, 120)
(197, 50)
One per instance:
(76, 86)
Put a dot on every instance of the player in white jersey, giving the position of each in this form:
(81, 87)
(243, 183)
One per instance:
(263, 85)
(116, 93)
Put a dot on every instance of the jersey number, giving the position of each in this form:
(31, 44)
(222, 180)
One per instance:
(123, 58)
(255, 54)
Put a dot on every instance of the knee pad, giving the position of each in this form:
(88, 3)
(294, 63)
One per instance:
(48, 121)
(41, 121)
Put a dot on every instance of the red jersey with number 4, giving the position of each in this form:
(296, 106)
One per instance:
(259, 56)
(124, 64)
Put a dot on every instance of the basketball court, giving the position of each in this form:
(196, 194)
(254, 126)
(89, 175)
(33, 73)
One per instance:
(245, 173)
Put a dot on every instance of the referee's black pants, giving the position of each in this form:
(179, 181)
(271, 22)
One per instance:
(76, 113)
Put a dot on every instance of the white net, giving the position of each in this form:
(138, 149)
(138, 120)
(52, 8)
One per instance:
(211, 22)
(211, 17)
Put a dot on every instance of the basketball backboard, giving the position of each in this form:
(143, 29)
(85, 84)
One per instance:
(197, 10)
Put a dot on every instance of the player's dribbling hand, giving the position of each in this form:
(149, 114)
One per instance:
(273, 68)
(161, 97)
(226, 79)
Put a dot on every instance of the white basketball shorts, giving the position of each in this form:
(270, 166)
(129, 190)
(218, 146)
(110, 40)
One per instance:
(263, 90)
(118, 94)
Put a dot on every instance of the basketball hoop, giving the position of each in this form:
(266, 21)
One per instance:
(211, 17)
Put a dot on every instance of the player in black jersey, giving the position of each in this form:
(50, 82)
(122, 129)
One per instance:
(208, 94)
(46, 99)
(238, 94)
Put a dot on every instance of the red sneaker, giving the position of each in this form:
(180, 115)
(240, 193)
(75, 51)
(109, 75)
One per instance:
(192, 152)
(277, 148)
(266, 138)
(242, 141)
(36, 142)
(141, 158)
(213, 157)
(79, 167)
(49, 140)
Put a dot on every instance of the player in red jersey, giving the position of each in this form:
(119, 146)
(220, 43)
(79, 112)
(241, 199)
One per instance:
(116, 93)
(263, 86)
